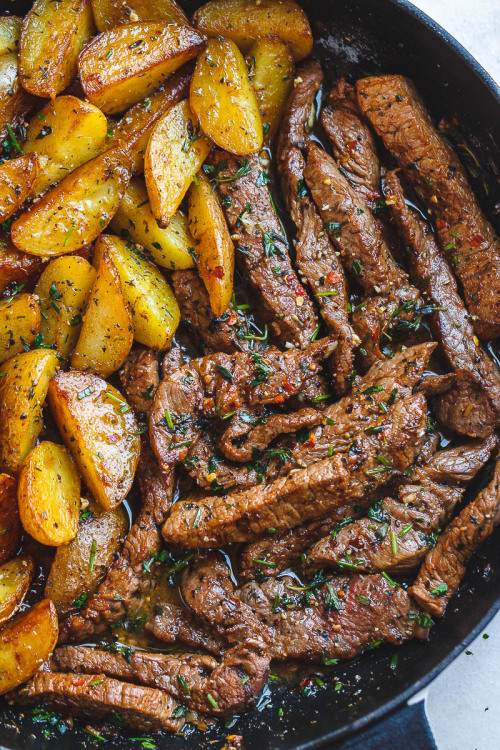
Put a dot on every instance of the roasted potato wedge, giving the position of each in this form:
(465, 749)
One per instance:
(52, 37)
(76, 210)
(244, 22)
(126, 64)
(16, 266)
(17, 181)
(65, 134)
(23, 388)
(63, 290)
(170, 247)
(224, 100)
(175, 153)
(271, 72)
(10, 33)
(19, 324)
(48, 494)
(108, 13)
(71, 579)
(9, 518)
(214, 249)
(15, 102)
(25, 643)
(15, 578)
(100, 430)
(155, 312)
(132, 132)
(106, 335)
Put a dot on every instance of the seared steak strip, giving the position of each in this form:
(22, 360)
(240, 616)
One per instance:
(445, 565)
(231, 684)
(176, 624)
(139, 378)
(262, 251)
(399, 116)
(473, 405)
(142, 708)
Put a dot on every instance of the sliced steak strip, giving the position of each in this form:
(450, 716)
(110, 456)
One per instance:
(303, 495)
(139, 377)
(98, 696)
(262, 251)
(229, 333)
(473, 405)
(445, 565)
(189, 678)
(299, 115)
(399, 116)
(176, 624)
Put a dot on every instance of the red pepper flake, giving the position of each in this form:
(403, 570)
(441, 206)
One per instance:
(111, 439)
(79, 681)
(440, 224)
(300, 290)
(287, 385)
(232, 319)
(333, 277)
(218, 272)
(376, 334)
(279, 399)
(373, 196)
(477, 240)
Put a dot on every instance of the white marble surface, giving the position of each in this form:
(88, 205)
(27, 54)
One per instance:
(463, 703)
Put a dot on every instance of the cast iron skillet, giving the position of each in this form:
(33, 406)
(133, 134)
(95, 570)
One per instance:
(358, 37)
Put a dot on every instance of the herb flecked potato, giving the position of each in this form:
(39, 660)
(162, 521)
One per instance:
(19, 324)
(271, 72)
(9, 518)
(15, 101)
(16, 266)
(15, 578)
(17, 181)
(109, 13)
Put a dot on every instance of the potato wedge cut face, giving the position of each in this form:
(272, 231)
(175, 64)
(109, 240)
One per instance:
(244, 22)
(109, 13)
(23, 389)
(71, 581)
(124, 65)
(17, 181)
(155, 312)
(52, 37)
(76, 210)
(25, 643)
(106, 335)
(16, 266)
(19, 324)
(10, 524)
(223, 99)
(15, 102)
(10, 33)
(100, 430)
(170, 247)
(214, 248)
(272, 73)
(65, 134)
(15, 578)
(175, 153)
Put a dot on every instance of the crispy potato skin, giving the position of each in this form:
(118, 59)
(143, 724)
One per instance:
(19, 324)
(223, 99)
(63, 290)
(16, 266)
(76, 210)
(99, 430)
(70, 575)
(123, 65)
(15, 578)
(15, 102)
(272, 73)
(109, 13)
(17, 180)
(23, 389)
(10, 33)
(71, 133)
(52, 36)
(25, 643)
(214, 248)
(48, 493)
(174, 155)
(245, 22)
(9, 519)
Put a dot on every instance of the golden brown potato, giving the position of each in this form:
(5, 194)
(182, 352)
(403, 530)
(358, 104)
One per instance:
(65, 134)
(170, 247)
(63, 290)
(15, 578)
(175, 153)
(16, 266)
(23, 388)
(244, 22)
(108, 13)
(25, 643)
(223, 98)
(72, 580)
(9, 518)
(19, 324)
(155, 312)
(125, 64)
(15, 102)
(271, 72)
(52, 36)
(17, 180)
(10, 33)
(132, 132)
(100, 430)
(48, 494)
(76, 210)
(214, 249)
(106, 335)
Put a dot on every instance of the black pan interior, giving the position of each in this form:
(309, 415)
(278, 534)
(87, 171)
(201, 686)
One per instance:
(356, 38)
